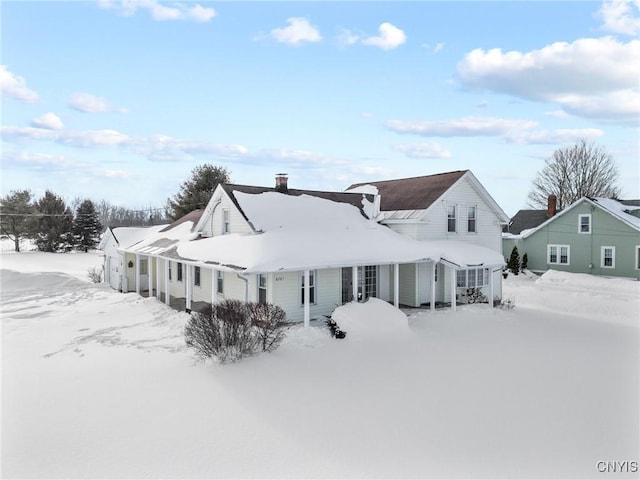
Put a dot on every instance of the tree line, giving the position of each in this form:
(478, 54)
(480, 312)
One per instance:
(56, 226)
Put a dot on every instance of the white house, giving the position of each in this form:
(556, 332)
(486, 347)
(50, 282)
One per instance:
(306, 251)
(452, 206)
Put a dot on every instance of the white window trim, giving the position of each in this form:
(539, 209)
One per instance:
(613, 256)
(475, 232)
(226, 221)
(312, 285)
(580, 217)
(559, 247)
(198, 276)
(485, 278)
(266, 284)
(219, 282)
(455, 218)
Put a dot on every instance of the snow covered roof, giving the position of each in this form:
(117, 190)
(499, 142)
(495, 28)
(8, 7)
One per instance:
(163, 240)
(620, 209)
(127, 236)
(307, 232)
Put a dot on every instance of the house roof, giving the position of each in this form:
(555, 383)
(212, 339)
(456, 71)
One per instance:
(415, 193)
(193, 216)
(354, 199)
(127, 236)
(524, 220)
(298, 232)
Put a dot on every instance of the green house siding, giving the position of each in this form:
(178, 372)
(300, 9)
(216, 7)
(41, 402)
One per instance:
(585, 253)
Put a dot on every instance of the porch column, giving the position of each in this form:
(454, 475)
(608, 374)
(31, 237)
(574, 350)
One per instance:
(158, 277)
(396, 285)
(307, 299)
(354, 283)
(188, 286)
(453, 288)
(166, 281)
(150, 271)
(137, 274)
(434, 275)
(491, 287)
(214, 285)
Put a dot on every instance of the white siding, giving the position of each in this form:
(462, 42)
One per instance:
(385, 282)
(213, 224)
(407, 284)
(202, 293)
(286, 293)
(408, 229)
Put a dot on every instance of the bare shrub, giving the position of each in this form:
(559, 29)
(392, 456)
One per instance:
(269, 323)
(95, 274)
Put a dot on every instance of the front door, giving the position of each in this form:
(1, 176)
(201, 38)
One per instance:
(367, 283)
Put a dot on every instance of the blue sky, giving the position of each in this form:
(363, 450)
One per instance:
(121, 100)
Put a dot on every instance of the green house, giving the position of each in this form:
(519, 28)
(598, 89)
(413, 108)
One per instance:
(599, 236)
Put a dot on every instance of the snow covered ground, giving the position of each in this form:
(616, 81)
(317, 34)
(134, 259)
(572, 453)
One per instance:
(99, 384)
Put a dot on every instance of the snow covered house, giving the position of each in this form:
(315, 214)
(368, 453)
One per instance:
(452, 206)
(308, 252)
(599, 236)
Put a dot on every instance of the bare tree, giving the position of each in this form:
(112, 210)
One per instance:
(581, 170)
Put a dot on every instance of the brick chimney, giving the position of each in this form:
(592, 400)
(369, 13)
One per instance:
(281, 183)
(552, 202)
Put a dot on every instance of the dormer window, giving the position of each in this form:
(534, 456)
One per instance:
(225, 221)
(584, 223)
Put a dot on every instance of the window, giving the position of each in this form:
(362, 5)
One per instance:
(196, 276)
(367, 283)
(225, 221)
(169, 269)
(312, 288)
(608, 257)
(584, 223)
(637, 257)
(473, 277)
(220, 281)
(262, 288)
(144, 267)
(558, 254)
(370, 281)
(451, 218)
(179, 272)
(472, 218)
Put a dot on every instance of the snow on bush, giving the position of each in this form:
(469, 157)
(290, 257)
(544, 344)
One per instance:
(373, 318)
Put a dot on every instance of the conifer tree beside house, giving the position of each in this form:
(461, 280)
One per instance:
(513, 265)
(196, 191)
(54, 224)
(86, 226)
(525, 262)
(16, 216)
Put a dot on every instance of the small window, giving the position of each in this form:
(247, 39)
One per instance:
(473, 277)
(169, 269)
(461, 278)
(179, 272)
(558, 254)
(584, 223)
(196, 276)
(637, 257)
(312, 288)
(608, 257)
(472, 219)
(262, 288)
(451, 218)
(225, 221)
(220, 281)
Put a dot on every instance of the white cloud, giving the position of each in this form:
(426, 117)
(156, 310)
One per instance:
(40, 161)
(591, 77)
(389, 37)
(16, 87)
(423, 150)
(49, 121)
(462, 127)
(621, 16)
(160, 11)
(347, 37)
(298, 32)
(553, 137)
(87, 103)
(438, 48)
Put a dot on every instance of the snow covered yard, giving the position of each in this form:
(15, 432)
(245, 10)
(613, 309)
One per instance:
(99, 384)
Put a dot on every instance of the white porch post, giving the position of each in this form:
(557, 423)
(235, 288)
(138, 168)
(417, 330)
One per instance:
(214, 285)
(137, 274)
(354, 283)
(434, 275)
(166, 281)
(188, 286)
(307, 299)
(491, 287)
(396, 285)
(453, 288)
(158, 277)
(150, 273)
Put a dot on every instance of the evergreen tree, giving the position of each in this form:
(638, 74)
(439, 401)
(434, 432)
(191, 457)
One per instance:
(54, 224)
(514, 261)
(196, 192)
(86, 226)
(16, 216)
(525, 262)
